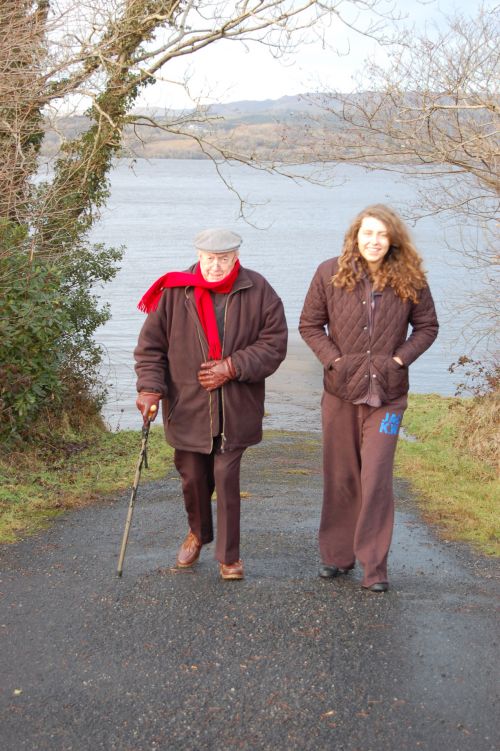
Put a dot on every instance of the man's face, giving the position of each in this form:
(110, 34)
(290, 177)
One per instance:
(215, 266)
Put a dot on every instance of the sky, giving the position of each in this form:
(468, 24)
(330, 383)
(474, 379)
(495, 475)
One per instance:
(229, 71)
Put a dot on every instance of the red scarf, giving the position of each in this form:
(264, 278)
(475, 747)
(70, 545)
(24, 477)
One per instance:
(204, 304)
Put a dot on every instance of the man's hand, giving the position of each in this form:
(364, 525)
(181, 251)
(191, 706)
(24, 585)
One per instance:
(147, 403)
(215, 373)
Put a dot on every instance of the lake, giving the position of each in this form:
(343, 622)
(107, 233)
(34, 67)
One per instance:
(156, 208)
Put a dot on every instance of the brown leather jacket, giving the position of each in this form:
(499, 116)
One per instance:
(172, 345)
(365, 348)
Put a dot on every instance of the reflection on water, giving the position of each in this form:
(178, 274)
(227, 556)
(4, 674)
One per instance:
(156, 209)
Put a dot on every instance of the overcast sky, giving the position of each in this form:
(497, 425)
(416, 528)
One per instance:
(231, 71)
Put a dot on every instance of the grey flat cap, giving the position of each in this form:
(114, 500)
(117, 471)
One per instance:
(217, 240)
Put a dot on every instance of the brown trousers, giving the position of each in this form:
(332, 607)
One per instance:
(357, 518)
(200, 475)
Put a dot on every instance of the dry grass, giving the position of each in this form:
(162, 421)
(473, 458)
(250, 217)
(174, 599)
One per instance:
(452, 466)
(479, 419)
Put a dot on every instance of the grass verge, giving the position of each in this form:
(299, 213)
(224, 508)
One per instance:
(454, 489)
(38, 484)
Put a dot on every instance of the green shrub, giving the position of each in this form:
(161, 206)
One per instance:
(49, 314)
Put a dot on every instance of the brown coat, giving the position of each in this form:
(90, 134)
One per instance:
(364, 353)
(172, 345)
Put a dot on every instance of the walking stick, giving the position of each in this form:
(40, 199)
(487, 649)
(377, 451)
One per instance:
(143, 459)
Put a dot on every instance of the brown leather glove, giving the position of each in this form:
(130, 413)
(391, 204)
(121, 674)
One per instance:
(147, 403)
(215, 373)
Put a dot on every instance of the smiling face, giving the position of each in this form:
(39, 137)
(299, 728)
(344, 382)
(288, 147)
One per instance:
(373, 241)
(216, 266)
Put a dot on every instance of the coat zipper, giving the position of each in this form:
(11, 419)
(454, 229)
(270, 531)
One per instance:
(371, 325)
(204, 357)
(222, 434)
(370, 311)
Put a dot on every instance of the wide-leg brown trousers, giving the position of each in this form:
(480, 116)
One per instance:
(357, 517)
(200, 475)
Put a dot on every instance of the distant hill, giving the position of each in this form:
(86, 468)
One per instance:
(249, 107)
(268, 129)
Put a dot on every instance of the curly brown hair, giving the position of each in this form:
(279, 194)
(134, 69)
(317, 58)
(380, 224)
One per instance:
(401, 268)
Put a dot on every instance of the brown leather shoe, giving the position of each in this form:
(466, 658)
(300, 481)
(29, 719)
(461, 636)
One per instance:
(189, 551)
(231, 570)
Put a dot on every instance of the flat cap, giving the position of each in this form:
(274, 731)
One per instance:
(217, 240)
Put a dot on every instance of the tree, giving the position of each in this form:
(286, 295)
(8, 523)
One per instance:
(55, 54)
(21, 102)
(433, 113)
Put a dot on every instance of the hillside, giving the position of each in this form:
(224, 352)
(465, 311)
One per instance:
(270, 129)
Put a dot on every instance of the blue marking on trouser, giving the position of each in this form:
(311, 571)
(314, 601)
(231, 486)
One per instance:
(390, 423)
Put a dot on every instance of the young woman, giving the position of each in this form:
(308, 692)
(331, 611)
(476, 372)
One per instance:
(355, 318)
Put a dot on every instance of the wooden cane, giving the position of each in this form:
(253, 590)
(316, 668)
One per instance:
(143, 460)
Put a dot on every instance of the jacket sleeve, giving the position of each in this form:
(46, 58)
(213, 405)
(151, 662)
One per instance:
(314, 318)
(261, 358)
(151, 354)
(424, 323)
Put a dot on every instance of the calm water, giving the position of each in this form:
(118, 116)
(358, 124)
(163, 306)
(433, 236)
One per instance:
(157, 207)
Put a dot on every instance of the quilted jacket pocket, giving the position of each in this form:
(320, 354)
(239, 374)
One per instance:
(397, 379)
(335, 377)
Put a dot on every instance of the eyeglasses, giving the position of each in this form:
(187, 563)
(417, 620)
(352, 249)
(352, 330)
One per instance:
(221, 260)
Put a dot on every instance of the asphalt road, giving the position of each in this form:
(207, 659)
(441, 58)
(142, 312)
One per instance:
(181, 660)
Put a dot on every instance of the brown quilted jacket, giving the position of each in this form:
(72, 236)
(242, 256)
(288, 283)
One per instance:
(172, 345)
(366, 352)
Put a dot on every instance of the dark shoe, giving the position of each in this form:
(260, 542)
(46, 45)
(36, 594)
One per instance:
(231, 570)
(189, 551)
(378, 587)
(329, 572)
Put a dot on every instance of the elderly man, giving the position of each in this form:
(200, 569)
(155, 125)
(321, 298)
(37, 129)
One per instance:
(212, 336)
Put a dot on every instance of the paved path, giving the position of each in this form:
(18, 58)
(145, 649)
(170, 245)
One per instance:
(180, 660)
